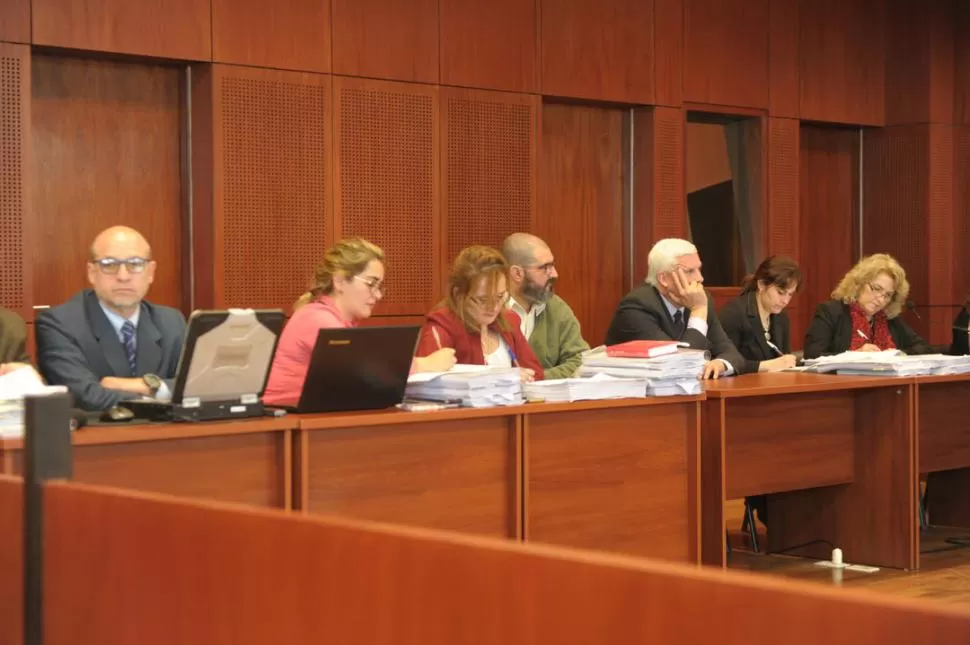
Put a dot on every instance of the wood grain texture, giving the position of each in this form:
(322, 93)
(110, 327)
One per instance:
(726, 52)
(386, 39)
(620, 486)
(386, 178)
(580, 212)
(490, 45)
(961, 214)
(12, 559)
(944, 435)
(16, 170)
(106, 140)
(828, 180)
(151, 570)
(660, 209)
(263, 213)
(215, 462)
(289, 34)
(783, 58)
(668, 52)
(458, 476)
(765, 455)
(842, 52)
(178, 29)
(15, 21)
(597, 50)
(783, 220)
(961, 63)
(488, 168)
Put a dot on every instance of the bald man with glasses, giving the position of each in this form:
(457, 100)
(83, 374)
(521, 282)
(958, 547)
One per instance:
(108, 343)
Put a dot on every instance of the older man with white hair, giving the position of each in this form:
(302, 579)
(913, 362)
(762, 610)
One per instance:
(673, 305)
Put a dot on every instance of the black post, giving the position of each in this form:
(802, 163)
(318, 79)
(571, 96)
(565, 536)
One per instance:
(47, 455)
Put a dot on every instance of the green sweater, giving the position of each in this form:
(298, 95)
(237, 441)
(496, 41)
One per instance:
(557, 340)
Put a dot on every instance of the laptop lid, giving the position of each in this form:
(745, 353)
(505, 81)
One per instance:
(227, 354)
(358, 368)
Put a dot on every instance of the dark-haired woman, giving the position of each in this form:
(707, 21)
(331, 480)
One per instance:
(756, 321)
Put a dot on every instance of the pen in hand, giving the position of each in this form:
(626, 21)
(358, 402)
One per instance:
(859, 331)
(437, 338)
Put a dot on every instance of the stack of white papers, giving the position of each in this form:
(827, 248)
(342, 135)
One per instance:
(14, 386)
(944, 364)
(668, 375)
(890, 362)
(474, 386)
(597, 387)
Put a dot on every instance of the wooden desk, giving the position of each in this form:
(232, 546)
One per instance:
(620, 476)
(837, 454)
(245, 461)
(944, 446)
(450, 469)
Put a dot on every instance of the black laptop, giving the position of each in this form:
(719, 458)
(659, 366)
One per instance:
(358, 368)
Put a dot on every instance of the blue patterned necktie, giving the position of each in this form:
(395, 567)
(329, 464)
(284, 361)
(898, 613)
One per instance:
(128, 338)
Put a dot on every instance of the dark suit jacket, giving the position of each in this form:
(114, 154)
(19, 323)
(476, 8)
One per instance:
(642, 315)
(77, 347)
(831, 332)
(13, 338)
(961, 342)
(742, 324)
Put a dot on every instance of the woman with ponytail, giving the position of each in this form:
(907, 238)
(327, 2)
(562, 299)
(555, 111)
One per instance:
(347, 285)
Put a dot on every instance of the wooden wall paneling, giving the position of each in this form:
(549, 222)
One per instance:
(660, 209)
(581, 209)
(286, 34)
(961, 215)
(668, 52)
(842, 61)
(940, 228)
(16, 288)
(386, 39)
(269, 218)
(601, 50)
(783, 58)
(491, 45)
(15, 21)
(107, 150)
(942, 62)
(896, 198)
(179, 29)
(961, 63)
(386, 169)
(488, 167)
(827, 213)
(782, 226)
(726, 52)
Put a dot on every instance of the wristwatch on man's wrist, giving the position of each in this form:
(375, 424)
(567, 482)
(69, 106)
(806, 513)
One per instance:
(153, 382)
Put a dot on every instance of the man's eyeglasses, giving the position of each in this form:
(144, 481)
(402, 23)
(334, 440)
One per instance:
(111, 266)
(490, 302)
(376, 286)
(879, 292)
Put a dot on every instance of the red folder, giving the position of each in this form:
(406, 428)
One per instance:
(642, 348)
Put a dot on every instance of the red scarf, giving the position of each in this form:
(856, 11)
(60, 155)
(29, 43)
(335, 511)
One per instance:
(877, 333)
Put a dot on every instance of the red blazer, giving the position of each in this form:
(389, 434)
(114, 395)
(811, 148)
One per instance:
(468, 345)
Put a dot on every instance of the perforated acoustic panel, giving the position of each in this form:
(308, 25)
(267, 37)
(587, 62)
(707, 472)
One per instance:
(387, 190)
(12, 180)
(488, 167)
(274, 184)
(783, 187)
(670, 219)
(961, 213)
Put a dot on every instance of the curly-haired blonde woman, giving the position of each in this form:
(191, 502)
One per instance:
(864, 313)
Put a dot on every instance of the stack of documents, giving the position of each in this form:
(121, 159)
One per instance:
(14, 386)
(944, 364)
(671, 374)
(474, 386)
(598, 387)
(890, 362)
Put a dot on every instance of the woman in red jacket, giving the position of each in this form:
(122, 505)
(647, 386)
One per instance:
(473, 319)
